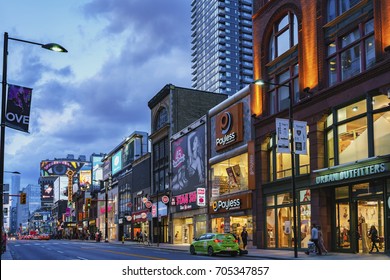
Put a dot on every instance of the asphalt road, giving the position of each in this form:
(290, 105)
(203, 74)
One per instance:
(80, 250)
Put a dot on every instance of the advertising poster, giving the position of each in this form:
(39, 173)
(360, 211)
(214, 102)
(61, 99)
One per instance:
(18, 107)
(116, 164)
(188, 161)
(300, 137)
(282, 136)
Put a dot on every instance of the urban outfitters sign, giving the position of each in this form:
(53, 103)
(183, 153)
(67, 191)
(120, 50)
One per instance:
(352, 173)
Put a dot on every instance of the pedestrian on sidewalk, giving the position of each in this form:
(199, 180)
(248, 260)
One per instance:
(321, 240)
(314, 238)
(373, 234)
(146, 239)
(244, 237)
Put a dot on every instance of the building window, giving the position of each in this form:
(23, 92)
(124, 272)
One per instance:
(338, 7)
(351, 53)
(279, 96)
(280, 163)
(162, 118)
(230, 176)
(160, 165)
(282, 67)
(284, 36)
(349, 129)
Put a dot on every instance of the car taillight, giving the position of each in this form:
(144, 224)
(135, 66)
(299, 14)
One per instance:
(235, 240)
(217, 240)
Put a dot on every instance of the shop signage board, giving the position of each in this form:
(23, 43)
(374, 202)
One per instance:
(231, 203)
(353, 171)
(229, 127)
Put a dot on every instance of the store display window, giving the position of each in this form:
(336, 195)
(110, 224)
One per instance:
(349, 129)
(233, 225)
(230, 176)
(280, 163)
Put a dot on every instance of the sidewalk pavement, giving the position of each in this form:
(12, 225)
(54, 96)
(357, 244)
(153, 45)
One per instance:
(252, 252)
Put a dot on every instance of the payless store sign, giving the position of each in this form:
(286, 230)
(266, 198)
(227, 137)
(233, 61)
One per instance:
(238, 202)
(229, 127)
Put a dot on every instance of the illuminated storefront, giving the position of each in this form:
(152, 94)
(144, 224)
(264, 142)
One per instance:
(140, 222)
(189, 215)
(188, 187)
(232, 167)
(231, 214)
(337, 82)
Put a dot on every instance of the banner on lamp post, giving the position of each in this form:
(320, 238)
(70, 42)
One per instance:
(18, 107)
(300, 137)
(282, 136)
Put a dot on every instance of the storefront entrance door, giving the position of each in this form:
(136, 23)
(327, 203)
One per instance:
(343, 233)
(370, 212)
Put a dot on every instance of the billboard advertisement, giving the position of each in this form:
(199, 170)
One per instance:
(60, 188)
(59, 167)
(97, 170)
(47, 193)
(116, 162)
(128, 153)
(189, 161)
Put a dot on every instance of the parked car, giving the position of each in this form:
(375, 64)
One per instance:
(215, 243)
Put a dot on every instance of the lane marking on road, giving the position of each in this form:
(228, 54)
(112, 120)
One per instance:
(128, 254)
(60, 252)
(81, 258)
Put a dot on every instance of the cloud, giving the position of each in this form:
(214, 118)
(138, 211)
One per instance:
(91, 98)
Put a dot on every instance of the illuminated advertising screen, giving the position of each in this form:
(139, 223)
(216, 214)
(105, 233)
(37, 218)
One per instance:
(85, 178)
(116, 162)
(97, 169)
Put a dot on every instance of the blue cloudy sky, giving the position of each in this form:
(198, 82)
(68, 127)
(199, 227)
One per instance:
(120, 54)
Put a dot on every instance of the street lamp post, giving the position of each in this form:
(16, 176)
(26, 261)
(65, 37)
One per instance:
(106, 212)
(292, 154)
(52, 47)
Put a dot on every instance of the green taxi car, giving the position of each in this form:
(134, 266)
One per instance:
(215, 243)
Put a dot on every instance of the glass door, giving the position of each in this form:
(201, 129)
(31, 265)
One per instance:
(343, 228)
(370, 212)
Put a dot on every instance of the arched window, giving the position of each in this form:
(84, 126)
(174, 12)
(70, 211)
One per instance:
(162, 118)
(284, 36)
(283, 72)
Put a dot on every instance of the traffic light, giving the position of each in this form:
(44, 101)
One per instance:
(23, 198)
(88, 202)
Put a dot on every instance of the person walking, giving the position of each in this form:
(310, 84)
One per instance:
(321, 240)
(373, 234)
(314, 238)
(244, 237)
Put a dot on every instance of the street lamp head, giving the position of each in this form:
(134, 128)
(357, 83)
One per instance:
(13, 172)
(259, 82)
(54, 47)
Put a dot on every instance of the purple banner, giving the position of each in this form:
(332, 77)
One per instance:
(18, 107)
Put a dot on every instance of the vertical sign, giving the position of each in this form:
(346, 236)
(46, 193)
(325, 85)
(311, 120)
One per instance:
(282, 136)
(201, 197)
(18, 107)
(251, 165)
(70, 185)
(300, 137)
